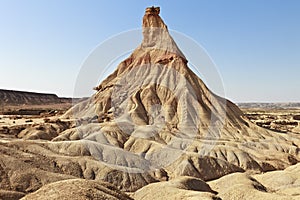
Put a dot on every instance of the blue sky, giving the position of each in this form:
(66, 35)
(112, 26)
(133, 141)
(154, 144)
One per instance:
(255, 44)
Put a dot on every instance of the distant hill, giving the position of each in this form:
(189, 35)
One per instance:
(270, 105)
(19, 98)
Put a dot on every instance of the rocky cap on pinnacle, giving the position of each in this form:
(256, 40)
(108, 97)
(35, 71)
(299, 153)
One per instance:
(152, 18)
(153, 10)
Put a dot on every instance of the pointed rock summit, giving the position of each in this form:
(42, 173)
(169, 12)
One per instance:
(156, 79)
(156, 34)
(154, 113)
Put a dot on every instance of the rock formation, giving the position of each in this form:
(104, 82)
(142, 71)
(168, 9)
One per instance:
(16, 98)
(158, 108)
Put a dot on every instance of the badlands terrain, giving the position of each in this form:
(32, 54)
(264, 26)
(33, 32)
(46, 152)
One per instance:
(32, 103)
(152, 130)
(281, 117)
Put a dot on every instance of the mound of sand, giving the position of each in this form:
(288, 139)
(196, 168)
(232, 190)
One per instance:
(78, 189)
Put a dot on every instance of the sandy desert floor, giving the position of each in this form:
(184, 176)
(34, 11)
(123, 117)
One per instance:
(281, 120)
(34, 171)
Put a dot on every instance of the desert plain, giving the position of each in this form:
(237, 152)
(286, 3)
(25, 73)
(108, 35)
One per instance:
(65, 182)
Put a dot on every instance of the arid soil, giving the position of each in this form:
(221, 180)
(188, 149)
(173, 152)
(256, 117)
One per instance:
(273, 117)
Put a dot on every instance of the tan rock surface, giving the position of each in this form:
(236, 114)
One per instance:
(78, 189)
(180, 188)
(283, 184)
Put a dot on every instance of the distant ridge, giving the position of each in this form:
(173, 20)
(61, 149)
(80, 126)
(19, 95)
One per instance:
(16, 98)
(282, 105)
(26, 92)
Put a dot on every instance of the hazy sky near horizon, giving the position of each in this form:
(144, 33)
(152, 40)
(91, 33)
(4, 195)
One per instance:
(254, 44)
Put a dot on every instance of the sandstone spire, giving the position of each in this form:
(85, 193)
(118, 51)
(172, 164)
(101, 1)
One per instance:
(155, 112)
